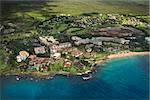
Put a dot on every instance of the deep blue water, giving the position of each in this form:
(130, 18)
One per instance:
(126, 78)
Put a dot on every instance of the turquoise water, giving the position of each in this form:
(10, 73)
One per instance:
(126, 78)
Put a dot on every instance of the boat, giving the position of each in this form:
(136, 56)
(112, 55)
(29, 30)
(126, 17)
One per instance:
(87, 76)
(31, 78)
(17, 78)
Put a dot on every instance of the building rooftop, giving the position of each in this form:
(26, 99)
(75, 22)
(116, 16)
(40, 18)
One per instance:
(24, 53)
(39, 50)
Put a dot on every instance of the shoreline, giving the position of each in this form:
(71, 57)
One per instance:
(68, 74)
(128, 54)
(121, 55)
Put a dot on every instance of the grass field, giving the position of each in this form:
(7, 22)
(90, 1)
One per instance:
(76, 7)
(42, 9)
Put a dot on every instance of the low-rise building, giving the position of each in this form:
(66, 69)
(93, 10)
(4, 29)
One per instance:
(44, 41)
(54, 49)
(22, 56)
(39, 50)
(39, 62)
(51, 39)
(96, 41)
(65, 45)
(18, 58)
(61, 46)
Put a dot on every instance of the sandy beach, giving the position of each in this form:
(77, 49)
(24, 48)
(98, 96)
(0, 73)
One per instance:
(121, 55)
(112, 56)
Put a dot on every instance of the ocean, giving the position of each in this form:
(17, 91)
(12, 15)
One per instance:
(119, 79)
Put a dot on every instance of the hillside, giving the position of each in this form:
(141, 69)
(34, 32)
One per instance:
(73, 7)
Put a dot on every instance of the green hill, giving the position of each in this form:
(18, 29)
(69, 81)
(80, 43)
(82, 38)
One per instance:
(73, 7)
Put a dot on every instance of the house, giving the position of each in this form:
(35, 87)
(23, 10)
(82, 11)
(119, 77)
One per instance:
(39, 50)
(22, 56)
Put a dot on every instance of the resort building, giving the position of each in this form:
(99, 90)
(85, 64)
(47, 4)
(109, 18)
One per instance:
(18, 58)
(22, 56)
(39, 50)
(57, 48)
(65, 45)
(82, 41)
(75, 38)
(44, 41)
(112, 39)
(38, 62)
(96, 41)
(117, 31)
(54, 49)
(51, 39)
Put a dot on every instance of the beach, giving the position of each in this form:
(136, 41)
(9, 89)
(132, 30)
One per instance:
(113, 56)
(121, 55)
